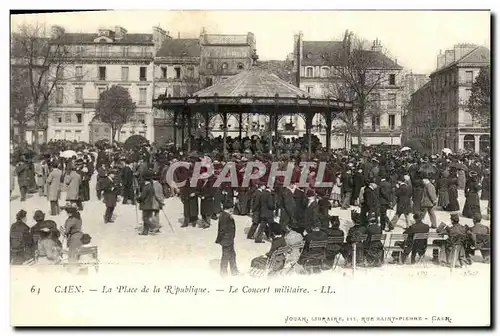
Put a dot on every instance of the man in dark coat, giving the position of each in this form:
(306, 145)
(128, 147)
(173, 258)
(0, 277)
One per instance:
(358, 183)
(369, 200)
(311, 213)
(354, 236)
(110, 194)
(313, 257)
(418, 246)
(266, 214)
(23, 177)
(385, 200)
(478, 238)
(146, 202)
(189, 197)
(287, 216)
(101, 176)
(301, 203)
(127, 180)
(374, 248)
(21, 240)
(225, 237)
(207, 193)
(333, 231)
(255, 211)
(403, 203)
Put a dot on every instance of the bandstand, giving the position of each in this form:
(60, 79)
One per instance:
(252, 92)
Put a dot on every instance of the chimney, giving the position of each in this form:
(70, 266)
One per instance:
(56, 32)
(298, 49)
(449, 57)
(440, 60)
(377, 46)
(120, 32)
(159, 36)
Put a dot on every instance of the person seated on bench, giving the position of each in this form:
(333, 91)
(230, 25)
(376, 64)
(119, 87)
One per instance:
(49, 253)
(419, 246)
(333, 231)
(354, 236)
(313, 257)
(373, 250)
(278, 241)
(293, 238)
(457, 236)
(478, 237)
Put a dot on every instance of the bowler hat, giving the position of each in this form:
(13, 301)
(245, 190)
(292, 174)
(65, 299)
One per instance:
(454, 218)
(39, 215)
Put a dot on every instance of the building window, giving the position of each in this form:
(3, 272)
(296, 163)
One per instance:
(224, 66)
(79, 118)
(210, 65)
(325, 72)
(124, 73)
(142, 96)
(142, 73)
(102, 73)
(100, 91)
(392, 100)
(79, 72)
(392, 79)
(309, 72)
(190, 72)
(125, 51)
(177, 90)
(58, 118)
(177, 72)
(468, 93)
(240, 66)
(78, 135)
(78, 95)
(59, 95)
(58, 135)
(141, 118)
(164, 72)
(375, 123)
(469, 77)
(309, 89)
(68, 118)
(209, 81)
(392, 121)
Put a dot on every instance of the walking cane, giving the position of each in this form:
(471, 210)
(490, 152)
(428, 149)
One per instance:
(136, 214)
(168, 220)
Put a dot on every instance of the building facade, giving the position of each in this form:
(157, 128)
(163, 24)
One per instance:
(444, 100)
(95, 62)
(315, 74)
(411, 83)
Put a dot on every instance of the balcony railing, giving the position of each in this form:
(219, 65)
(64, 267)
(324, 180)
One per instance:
(110, 55)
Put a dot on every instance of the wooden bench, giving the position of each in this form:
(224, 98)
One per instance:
(420, 236)
(354, 243)
(316, 245)
(335, 241)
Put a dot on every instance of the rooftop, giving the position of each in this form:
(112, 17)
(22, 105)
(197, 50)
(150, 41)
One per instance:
(179, 48)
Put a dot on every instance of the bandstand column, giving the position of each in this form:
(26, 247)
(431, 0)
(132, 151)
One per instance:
(224, 134)
(206, 115)
(175, 128)
(183, 121)
(328, 118)
(309, 117)
(189, 115)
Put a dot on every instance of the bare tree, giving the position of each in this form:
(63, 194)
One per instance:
(479, 104)
(39, 65)
(357, 74)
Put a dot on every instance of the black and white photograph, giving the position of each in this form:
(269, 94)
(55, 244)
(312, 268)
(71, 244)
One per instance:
(298, 168)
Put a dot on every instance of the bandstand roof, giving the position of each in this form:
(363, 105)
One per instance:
(255, 82)
(254, 87)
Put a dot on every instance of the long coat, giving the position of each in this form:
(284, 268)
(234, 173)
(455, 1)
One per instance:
(40, 174)
(311, 216)
(471, 206)
(72, 182)
(207, 193)
(159, 198)
(287, 217)
(453, 194)
(485, 188)
(111, 191)
(146, 199)
(54, 185)
(267, 204)
(226, 230)
(403, 199)
(23, 174)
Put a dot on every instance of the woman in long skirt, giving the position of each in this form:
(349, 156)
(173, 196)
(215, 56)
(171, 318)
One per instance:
(452, 193)
(485, 186)
(337, 191)
(471, 206)
(442, 187)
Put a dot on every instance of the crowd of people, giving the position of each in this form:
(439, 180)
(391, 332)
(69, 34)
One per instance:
(373, 181)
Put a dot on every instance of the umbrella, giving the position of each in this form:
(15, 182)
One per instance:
(68, 153)
(405, 149)
(446, 151)
(459, 166)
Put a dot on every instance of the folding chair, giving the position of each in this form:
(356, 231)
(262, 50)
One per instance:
(393, 238)
(435, 236)
(335, 241)
(315, 245)
(299, 247)
(355, 252)
(258, 273)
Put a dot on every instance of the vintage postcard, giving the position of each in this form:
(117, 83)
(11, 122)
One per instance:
(250, 168)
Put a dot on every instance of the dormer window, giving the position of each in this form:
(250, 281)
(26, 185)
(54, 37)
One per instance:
(240, 66)
(224, 66)
(210, 65)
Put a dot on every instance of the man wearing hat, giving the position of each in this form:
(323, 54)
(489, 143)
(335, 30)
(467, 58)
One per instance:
(21, 240)
(225, 237)
(457, 235)
(478, 238)
(409, 245)
(374, 249)
(110, 190)
(72, 181)
(311, 213)
(146, 199)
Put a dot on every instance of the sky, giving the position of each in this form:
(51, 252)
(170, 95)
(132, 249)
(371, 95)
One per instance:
(414, 38)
